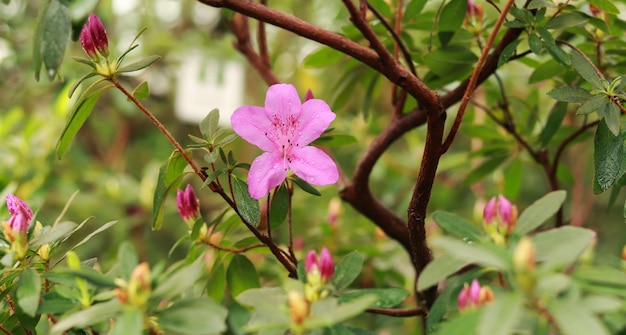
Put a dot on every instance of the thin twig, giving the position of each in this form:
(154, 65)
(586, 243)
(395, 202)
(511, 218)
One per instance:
(402, 313)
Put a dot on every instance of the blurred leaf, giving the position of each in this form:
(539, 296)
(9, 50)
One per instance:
(500, 317)
(570, 94)
(594, 104)
(540, 211)
(439, 269)
(197, 316)
(94, 233)
(55, 303)
(78, 82)
(306, 187)
(455, 61)
(508, 52)
(90, 316)
(602, 276)
(413, 8)
(142, 91)
(241, 275)
(602, 304)
(575, 319)
(611, 117)
(56, 32)
(536, 4)
(340, 329)
(560, 247)
(56, 232)
(485, 169)
(534, 42)
(385, 297)
(170, 178)
(587, 70)
(77, 118)
(553, 124)
(247, 207)
(210, 124)
(138, 65)
(179, 281)
(335, 141)
(605, 5)
(347, 270)
(29, 291)
(369, 94)
(607, 157)
(451, 18)
(279, 207)
(456, 225)
(217, 282)
(513, 178)
(264, 302)
(555, 51)
(37, 40)
(566, 20)
(464, 323)
(88, 274)
(322, 57)
(547, 70)
(129, 322)
(483, 254)
(326, 312)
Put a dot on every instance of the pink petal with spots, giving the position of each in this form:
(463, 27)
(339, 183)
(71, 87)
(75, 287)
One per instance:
(282, 100)
(251, 123)
(314, 166)
(315, 118)
(266, 172)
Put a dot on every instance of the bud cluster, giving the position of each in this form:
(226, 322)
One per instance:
(474, 295)
(319, 272)
(16, 228)
(500, 216)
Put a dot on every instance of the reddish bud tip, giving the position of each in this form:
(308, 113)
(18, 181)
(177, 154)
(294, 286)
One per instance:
(188, 204)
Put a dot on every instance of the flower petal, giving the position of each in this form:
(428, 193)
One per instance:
(251, 123)
(282, 101)
(314, 166)
(314, 119)
(267, 171)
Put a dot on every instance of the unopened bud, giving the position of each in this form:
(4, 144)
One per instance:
(309, 95)
(140, 285)
(188, 205)
(93, 38)
(334, 212)
(500, 217)
(474, 295)
(524, 255)
(298, 307)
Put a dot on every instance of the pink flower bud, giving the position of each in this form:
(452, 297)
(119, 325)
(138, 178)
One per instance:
(474, 295)
(188, 204)
(21, 214)
(324, 267)
(500, 211)
(474, 10)
(309, 95)
(93, 37)
(310, 262)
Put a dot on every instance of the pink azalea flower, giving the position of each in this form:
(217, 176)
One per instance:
(21, 214)
(284, 128)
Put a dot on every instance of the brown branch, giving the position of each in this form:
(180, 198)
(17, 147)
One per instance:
(240, 28)
(474, 77)
(402, 313)
(262, 41)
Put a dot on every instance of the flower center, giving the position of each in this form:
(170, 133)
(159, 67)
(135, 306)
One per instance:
(284, 135)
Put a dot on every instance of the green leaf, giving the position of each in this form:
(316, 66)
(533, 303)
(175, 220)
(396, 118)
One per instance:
(56, 232)
(130, 322)
(241, 275)
(88, 274)
(536, 4)
(90, 316)
(566, 20)
(575, 319)
(78, 82)
(607, 157)
(560, 247)
(322, 57)
(326, 312)
(534, 42)
(611, 117)
(55, 33)
(502, 315)
(508, 52)
(485, 169)
(340, 329)
(306, 187)
(247, 207)
(217, 282)
(170, 178)
(385, 297)
(179, 281)
(605, 5)
(456, 225)
(455, 61)
(264, 302)
(94, 233)
(37, 41)
(196, 316)
(513, 177)
(439, 269)
(539, 212)
(29, 291)
(138, 65)
(464, 323)
(594, 104)
(335, 141)
(279, 207)
(587, 70)
(570, 94)
(553, 124)
(347, 270)
(142, 91)
(210, 124)
(483, 254)
(77, 118)
(451, 19)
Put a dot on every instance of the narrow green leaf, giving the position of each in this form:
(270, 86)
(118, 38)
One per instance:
(575, 319)
(264, 302)
(566, 20)
(37, 41)
(322, 57)
(607, 157)
(90, 316)
(513, 178)
(326, 312)
(94, 233)
(306, 187)
(77, 118)
(88, 274)
(553, 124)
(456, 225)
(336, 140)
(170, 178)
(539, 212)
(130, 322)
(279, 207)
(605, 5)
(385, 297)
(142, 91)
(560, 247)
(210, 123)
(56, 232)
(439, 269)
(241, 275)
(138, 65)
(78, 82)
(508, 52)
(502, 315)
(216, 285)
(570, 94)
(55, 34)
(587, 70)
(196, 316)
(534, 42)
(485, 169)
(29, 291)
(464, 323)
(483, 254)
(594, 104)
(179, 281)
(536, 4)
(452, 16)
(347, 270)
(247, 207)
(611, 117)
